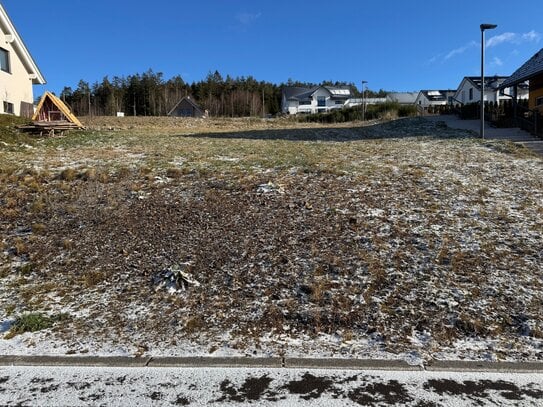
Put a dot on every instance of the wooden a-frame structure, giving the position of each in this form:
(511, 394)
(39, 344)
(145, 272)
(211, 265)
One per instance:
(53, 110)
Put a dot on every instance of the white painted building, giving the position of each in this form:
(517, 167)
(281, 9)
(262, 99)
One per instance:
(469, 90)
(18, 71)
(319, 99)
(427, 98)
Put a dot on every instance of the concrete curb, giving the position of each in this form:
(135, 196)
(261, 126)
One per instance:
(273, 362)
(474, 366)
(215, 362)
(354, 364)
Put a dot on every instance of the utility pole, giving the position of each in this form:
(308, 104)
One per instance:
(364, 100)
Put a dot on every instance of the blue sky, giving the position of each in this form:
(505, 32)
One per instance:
(395, 45)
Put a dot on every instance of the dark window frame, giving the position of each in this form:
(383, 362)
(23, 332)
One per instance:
(9, 108)
(7, 59)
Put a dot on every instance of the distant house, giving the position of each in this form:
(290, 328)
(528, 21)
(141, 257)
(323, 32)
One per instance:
(187, 107)
(18, 71)
(469, 90)
(319, 99)
(368, 101)
(531, 71)
(403, 98)
(428, 98)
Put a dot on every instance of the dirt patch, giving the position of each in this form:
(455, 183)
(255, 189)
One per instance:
(391, 393)
(253, 389)
(310, 387)
(481, 389)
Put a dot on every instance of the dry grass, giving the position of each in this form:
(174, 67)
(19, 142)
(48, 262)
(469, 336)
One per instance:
(371, 235)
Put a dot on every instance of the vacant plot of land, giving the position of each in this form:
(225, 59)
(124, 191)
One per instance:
(403, 239)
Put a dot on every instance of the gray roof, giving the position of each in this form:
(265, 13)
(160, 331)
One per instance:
(296, 93)
(531, 68)
(293, 92)
(491, 82)
(403, 97)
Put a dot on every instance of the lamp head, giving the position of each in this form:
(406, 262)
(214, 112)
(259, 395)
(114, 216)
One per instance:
(488, 26)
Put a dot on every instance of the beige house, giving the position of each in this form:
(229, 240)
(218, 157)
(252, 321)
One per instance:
(18, 71)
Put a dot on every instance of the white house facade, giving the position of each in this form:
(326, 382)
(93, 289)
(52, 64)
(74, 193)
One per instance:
(319, 99)
(469, 90)
(427, 98)
(18, 71)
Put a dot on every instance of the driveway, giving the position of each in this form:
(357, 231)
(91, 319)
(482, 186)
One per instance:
(514, 134)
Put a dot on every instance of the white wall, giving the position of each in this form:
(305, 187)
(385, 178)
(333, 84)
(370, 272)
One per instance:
(490, 95)
(16, 86)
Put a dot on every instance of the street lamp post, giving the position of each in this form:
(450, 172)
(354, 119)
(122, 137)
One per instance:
(364, 100)
(483, 28)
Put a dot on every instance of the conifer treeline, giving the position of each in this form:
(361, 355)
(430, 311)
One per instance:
(149, 94)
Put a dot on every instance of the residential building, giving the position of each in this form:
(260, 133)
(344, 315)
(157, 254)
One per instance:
(430, 98)
(367, 101)
(18, 71)
(531, 71)
(469, 90)
(318, 99)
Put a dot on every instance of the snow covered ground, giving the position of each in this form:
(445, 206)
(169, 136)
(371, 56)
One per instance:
(39, 386)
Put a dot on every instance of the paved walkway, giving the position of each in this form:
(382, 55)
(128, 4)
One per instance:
(514, 134)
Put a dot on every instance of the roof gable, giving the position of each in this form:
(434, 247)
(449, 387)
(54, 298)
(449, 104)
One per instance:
(7, 27)
(186, 99)
(529, 69)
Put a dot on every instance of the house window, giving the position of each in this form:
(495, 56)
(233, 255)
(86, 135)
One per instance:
(8, 107)
(471, 94)
(305, 102)
(321, 101)
(4, 60)
(539, 101)
(339, 102)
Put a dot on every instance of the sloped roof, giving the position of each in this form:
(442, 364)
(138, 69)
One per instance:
(297, 93)
(293, 91)
(491, 82)
(190, 101)
(403, 97)
(531, 68)
(61, 107)
(13, 37)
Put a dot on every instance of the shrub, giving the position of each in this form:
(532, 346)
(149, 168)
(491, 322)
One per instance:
(378, 111)
(33, 322)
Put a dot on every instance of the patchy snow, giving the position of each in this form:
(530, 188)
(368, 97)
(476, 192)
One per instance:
(263, 387)
(350, 243)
